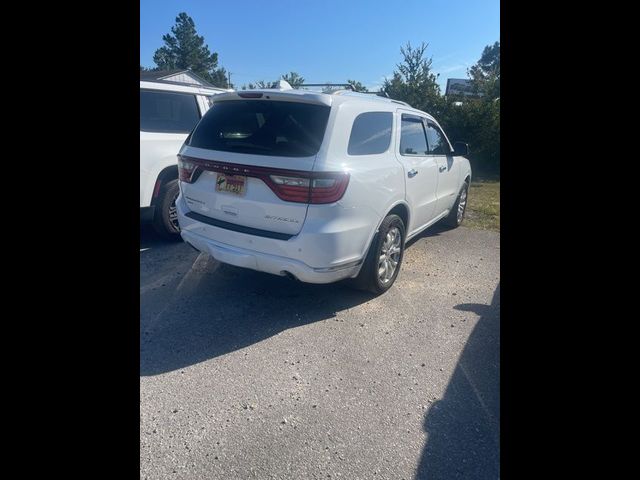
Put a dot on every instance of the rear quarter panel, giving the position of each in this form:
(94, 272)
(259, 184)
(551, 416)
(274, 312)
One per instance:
(376, 182)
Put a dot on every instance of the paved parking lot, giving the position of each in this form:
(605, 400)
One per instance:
(247, 375)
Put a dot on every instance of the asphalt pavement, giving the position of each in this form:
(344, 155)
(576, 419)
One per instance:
(248, 375)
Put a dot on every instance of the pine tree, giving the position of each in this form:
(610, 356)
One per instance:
(185, 49)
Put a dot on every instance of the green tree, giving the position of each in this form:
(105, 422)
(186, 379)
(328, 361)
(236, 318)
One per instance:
(357, 86)
(185, 49)
(293, 78)
(258, 84)
(472, 120)
(330, 89)
(485, 75)
(413, 80)
(477, 120)
(220, 78)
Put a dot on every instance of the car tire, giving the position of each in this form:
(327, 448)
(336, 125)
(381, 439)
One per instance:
(456, 215)
(165, 220)
(390, 236)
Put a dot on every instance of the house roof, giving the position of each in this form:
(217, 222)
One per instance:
(150, 76)
(158, 74)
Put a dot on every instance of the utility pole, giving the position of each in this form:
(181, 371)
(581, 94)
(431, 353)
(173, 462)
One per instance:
(229, 78)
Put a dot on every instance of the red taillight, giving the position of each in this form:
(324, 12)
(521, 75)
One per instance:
(288, 185)
(290, 189)
(309, 187)
(187, 169)
(329, 189)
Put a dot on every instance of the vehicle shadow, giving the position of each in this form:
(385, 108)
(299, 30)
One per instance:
(208, 309)
(432, 231)
(463, 428)
(150, 239)
(215, 309)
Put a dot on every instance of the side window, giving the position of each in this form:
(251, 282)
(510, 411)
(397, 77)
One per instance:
(412, 136)
(437, 143)
(371, 133)
(168, 112)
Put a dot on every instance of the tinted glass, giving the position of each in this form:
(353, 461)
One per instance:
(168, 112)
(371, 133)
(437, 143)
(262, 127)
(412, 138)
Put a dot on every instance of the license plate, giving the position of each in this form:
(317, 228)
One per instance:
(231, 183)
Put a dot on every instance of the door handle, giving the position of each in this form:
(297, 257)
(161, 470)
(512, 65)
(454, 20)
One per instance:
(442, 169)
(412, 173)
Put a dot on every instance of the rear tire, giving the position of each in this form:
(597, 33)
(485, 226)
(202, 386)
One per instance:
(456, 215)
(165, 218)
(385, 253)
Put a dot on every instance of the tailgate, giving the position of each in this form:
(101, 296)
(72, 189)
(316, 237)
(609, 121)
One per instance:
(247, 160)
(246, 200)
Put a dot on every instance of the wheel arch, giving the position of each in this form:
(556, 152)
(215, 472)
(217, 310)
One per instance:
(166, 175)
(400, 208)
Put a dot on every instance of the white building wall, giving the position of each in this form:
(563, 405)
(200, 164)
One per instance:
(183, 78)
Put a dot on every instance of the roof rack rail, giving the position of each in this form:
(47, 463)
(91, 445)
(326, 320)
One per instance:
(401, 102)
(346, 85)
(384, 95)
(348, 89)
(379, 93)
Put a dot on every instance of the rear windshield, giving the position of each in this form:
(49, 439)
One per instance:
(262, 127)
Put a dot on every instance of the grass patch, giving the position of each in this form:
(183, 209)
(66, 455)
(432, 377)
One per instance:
(483, 209)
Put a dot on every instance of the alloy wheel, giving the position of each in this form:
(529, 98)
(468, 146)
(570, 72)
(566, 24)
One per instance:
(462, 204)
(389, 255)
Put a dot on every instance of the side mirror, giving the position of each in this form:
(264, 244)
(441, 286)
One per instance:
(460, 149)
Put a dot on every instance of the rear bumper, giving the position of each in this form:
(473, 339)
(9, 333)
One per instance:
(330, 247)
(274, 264)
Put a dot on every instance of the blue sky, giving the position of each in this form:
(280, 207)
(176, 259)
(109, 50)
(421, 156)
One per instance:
(328, 40)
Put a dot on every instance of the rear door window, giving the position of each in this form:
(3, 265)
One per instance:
(262, 127)
(412, 136)
(371, 133)
(168, 112)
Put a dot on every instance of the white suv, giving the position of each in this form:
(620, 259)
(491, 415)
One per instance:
(168, 113)
(318, 187)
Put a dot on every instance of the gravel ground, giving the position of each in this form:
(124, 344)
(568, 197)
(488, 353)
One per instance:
(247, 375)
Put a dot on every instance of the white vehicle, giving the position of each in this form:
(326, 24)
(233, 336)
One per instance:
(168, 113)
(318, 187)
